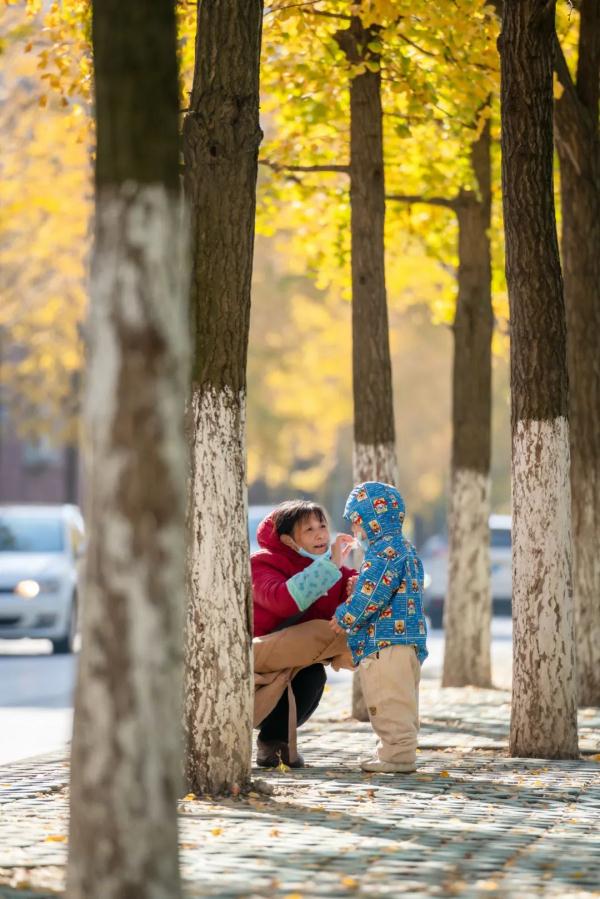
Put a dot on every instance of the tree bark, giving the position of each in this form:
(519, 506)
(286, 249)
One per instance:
(578, 145)
(126, 757)
(544, 708)
(221, 140)
(468, 607)
(374, 431)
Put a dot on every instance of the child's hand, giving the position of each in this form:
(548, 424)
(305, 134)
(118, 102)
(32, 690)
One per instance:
(350, 585)
(340, 549)
(335, 627)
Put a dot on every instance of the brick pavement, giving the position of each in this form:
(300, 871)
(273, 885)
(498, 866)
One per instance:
(470, 823)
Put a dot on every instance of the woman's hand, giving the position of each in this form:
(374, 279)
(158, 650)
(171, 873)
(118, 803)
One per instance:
(340, 549)
(350, 585)
(335, 627)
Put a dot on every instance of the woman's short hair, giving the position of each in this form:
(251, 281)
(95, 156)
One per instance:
(293, 511)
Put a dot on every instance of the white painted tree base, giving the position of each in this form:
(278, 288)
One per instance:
(371, 462)
(375, 462)
(468, 604)
(586, 588)
(544, 706)
(126, 756)
(219, 690)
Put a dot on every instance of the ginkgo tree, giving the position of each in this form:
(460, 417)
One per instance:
(422, 95)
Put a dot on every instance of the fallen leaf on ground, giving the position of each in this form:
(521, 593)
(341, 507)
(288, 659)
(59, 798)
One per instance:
(351, 883)
(56, 838)
(189, 798)
(274, 832)
(217, 831)
(444, 774)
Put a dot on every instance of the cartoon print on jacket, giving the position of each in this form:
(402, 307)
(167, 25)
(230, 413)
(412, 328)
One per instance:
(387, 603)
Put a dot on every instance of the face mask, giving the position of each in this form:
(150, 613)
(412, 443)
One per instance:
(315, 556)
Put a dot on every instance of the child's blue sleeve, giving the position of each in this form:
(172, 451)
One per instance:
(316, 580)
(373, 590)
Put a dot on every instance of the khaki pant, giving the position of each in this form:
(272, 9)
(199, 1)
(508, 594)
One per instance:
(390, 685)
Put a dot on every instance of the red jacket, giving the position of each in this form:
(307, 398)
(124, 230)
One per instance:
(271, 567)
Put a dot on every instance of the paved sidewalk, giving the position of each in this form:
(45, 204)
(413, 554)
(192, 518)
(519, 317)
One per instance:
(471, 822)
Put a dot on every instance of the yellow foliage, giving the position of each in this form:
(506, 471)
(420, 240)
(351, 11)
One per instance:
(45, 206)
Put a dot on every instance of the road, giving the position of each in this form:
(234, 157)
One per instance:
(36, 698)
(36, 690)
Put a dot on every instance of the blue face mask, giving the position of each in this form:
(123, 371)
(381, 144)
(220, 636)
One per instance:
(315, 556)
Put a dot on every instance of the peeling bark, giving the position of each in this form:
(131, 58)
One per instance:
(221, 140)
(468, 607)
(544, 712)
(219, 692)
(543, 719)
(126, 758)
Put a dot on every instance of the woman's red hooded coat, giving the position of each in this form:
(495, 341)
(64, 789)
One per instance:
(271, 567)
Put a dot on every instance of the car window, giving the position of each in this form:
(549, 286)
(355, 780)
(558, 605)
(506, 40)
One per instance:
(500, 538)
(35, 534)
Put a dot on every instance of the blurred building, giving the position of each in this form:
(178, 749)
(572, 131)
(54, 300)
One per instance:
(36, 472)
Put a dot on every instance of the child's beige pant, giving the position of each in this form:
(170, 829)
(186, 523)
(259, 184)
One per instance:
(390, 685)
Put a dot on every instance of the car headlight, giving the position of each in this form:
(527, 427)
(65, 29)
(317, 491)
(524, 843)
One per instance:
(426, 581)
(29, 589)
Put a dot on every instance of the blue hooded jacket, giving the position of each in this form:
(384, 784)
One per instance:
(386, 605)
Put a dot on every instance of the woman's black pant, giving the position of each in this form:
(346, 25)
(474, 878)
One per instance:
(308, 687)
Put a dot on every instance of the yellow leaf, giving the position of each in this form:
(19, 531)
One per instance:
(351, 883)
(274, 832)
(56, 838)
(43, 101)
(189, 798)
(217, 831)
(444, 774)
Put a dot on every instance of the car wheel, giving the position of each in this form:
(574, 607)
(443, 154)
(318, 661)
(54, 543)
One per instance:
(66, 645)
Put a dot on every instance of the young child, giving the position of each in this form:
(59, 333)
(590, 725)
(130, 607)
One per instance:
(385, 625)
(297, 576)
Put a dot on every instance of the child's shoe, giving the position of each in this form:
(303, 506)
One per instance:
(377, 766)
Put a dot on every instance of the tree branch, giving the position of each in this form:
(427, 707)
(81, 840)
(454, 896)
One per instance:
(279, 167)
(429, 201)
(313, 12)
(407, 40)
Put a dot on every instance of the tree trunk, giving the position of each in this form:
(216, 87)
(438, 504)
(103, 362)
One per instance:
(126, 757)
(544, 708)
(468, 607)
(221, 141)
(374, 431)
(578, 145)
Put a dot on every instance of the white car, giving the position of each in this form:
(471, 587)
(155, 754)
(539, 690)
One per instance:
(434, 555)
(41, 551)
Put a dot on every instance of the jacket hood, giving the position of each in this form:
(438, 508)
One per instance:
(268, 538)
(378, 508)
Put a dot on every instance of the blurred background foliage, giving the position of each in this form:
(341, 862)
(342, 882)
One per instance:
(439, 82)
